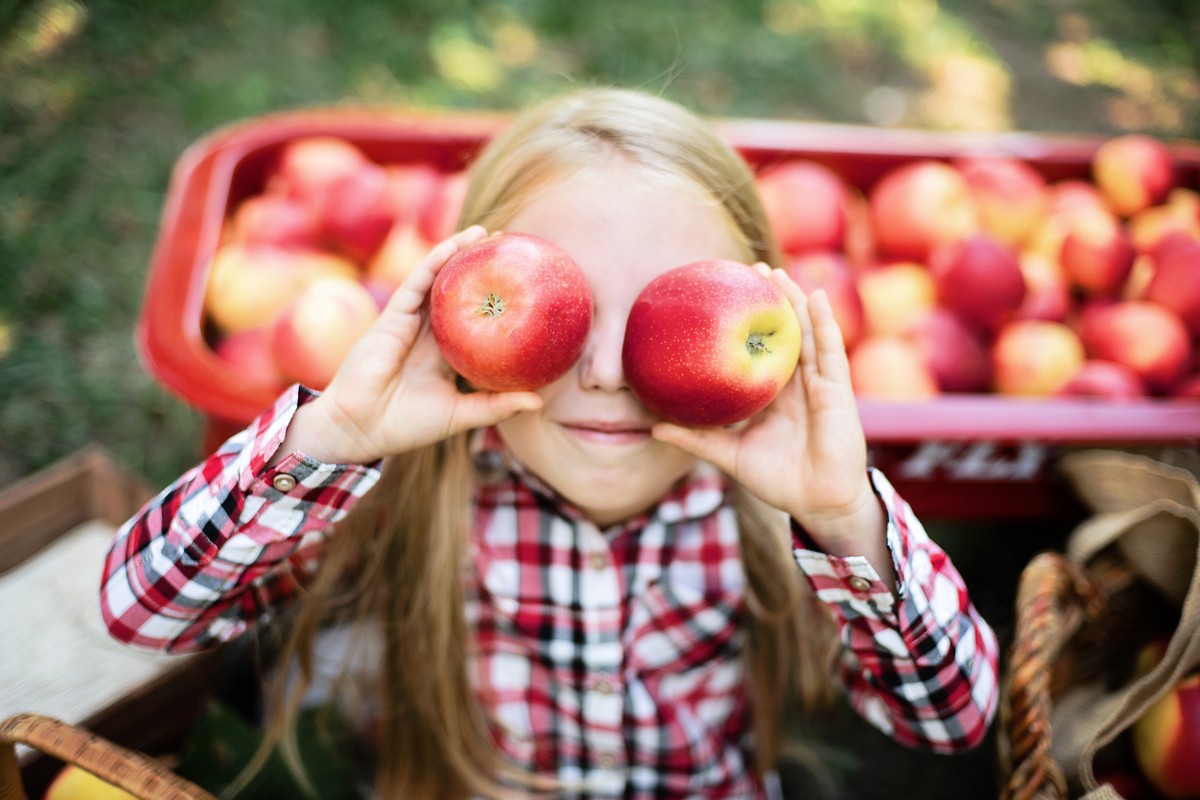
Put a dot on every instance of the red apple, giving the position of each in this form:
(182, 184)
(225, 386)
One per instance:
(891, 368)
(1134, 287)
(1068, 200)
(1047, 294)
(1035, 358)
(1104, 379)
(1150, 226)
(315, 332)
(1147, 337)
(919, 206)
(1097, 255)
(805, 204)
(1074, 194)
(1175, 282)
(412, 189)
(402, 250)
(511, 312)
(829, 271)
(273, 219)
(894, 296)
(980, 279)
(249, 287)
(440, 218)
(249, 358)
(354, 212)
(710, 343)
(309, 165)
(956, 353)
(1133, 171)
(1011, 196)
(1166, 740)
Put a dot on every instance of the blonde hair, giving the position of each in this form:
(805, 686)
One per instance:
(414, 529)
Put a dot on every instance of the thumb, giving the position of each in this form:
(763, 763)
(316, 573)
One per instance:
(481, 409)
(715, 445)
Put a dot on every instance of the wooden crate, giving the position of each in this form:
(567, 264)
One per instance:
(35, 513)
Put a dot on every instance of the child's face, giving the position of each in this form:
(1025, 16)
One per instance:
(591, 439)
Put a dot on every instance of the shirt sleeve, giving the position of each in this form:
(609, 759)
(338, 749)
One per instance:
(230, 539)
(919, 662)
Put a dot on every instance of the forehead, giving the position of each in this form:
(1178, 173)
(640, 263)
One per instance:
(624, 227)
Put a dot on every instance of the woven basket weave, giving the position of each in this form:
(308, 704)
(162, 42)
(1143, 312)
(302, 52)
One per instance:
(1130, 576)
(123, 768)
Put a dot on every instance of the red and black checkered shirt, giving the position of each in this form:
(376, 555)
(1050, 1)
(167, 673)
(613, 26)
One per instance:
(610, 659)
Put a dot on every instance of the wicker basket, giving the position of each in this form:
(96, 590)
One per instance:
(123, 768)
(1131, 575)
(1067, 630)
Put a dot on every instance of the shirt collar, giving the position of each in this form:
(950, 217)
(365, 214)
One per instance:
(698, 494)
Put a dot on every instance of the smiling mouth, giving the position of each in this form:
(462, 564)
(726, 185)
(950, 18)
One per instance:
(607, 433)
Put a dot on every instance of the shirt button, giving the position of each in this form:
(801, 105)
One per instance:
(606, 761)
(604, 686)
(859, 584)
(284, 482)
(598, 561)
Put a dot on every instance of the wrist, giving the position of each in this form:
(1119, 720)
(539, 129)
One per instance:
(321, 431)
(850, 529)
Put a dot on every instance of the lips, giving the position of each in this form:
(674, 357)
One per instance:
(608, 431)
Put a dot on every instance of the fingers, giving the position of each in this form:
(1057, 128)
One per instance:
(483, 409)
(822, 350)
(800, 304)
(408, 298)
(832, 361)
(714, 445)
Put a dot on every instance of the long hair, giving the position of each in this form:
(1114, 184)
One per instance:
(408, 540)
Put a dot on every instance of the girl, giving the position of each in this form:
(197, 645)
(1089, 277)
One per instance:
(560, 590)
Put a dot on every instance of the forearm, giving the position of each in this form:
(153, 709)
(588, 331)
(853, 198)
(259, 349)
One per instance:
(210, 554)
(920, 662)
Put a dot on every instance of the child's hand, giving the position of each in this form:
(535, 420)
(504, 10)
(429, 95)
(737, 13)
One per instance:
(394, 391)
(806, 452)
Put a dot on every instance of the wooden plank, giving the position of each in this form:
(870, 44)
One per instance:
(38, 509)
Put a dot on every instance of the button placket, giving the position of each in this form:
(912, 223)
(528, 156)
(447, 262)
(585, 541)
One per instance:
(601, 703)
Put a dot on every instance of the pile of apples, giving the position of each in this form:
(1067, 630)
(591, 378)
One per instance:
(972, 274)
(976, 274)
(305, 265)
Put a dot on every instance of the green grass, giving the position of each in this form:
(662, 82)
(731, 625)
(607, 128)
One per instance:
(99, 98)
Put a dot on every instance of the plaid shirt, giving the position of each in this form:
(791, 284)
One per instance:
(610, 659)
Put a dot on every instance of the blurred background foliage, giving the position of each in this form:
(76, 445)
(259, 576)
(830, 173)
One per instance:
(98, 98)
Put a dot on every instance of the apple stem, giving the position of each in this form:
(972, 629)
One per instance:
(756, 344)
(493, 306)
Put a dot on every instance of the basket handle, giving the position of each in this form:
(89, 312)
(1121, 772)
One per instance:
(123, 768)
(1054, 597)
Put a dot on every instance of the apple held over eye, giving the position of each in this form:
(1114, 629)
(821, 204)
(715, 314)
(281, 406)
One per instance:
(511, 312)
(710, 343)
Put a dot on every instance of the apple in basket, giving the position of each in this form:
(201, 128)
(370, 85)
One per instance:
(511, 312)
(710, 343)
(1166, 740)
(75, 783)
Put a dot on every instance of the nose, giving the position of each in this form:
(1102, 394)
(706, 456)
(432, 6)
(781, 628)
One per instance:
(600, 365)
